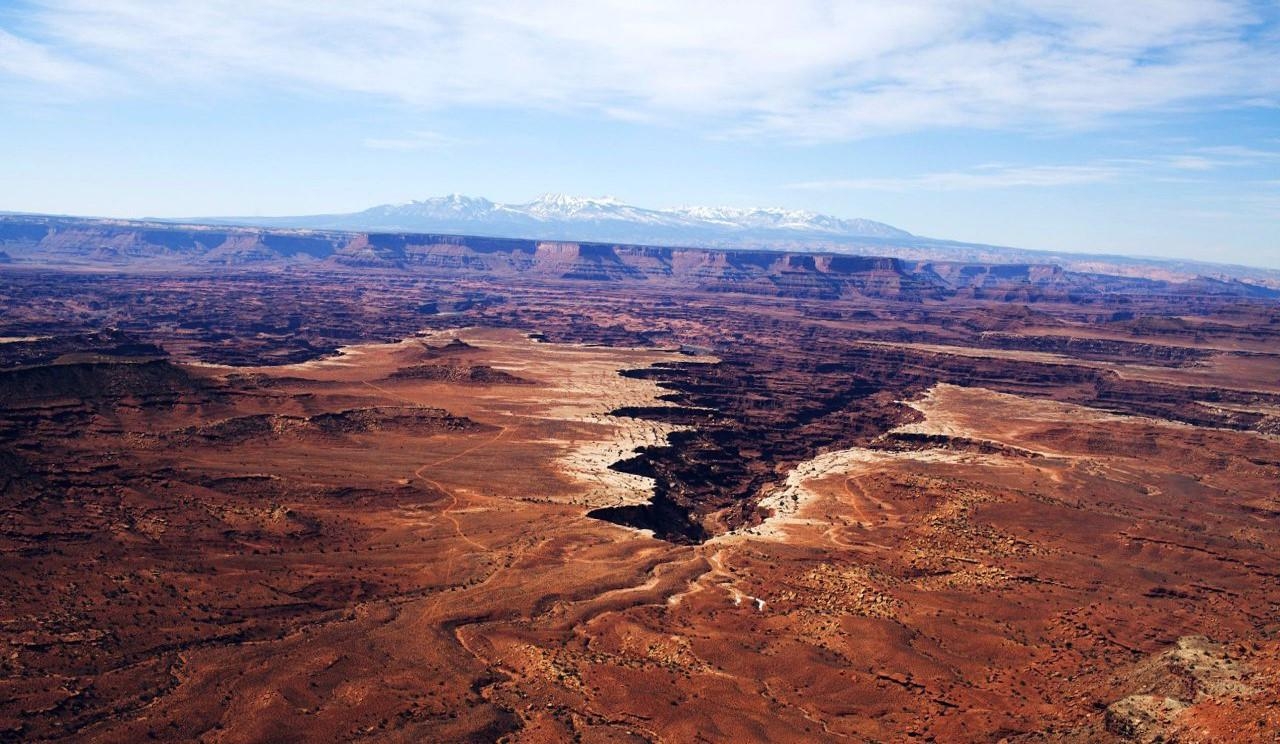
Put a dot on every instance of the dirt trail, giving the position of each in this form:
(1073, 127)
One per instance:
(889, 516)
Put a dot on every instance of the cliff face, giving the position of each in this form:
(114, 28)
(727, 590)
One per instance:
(71, 242)
(53, 240)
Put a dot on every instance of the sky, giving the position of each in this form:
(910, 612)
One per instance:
(1139, 127)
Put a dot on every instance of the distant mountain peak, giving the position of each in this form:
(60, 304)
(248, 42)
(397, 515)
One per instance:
(570, 201)
(452, 205)
(551, 205)
(561, 216)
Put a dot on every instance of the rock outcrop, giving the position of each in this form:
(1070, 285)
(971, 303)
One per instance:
(1194, 670)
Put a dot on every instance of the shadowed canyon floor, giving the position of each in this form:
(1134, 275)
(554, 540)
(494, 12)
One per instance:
(321, 504)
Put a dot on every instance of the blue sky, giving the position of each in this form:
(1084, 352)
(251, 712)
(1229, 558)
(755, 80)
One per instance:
(1144, 127)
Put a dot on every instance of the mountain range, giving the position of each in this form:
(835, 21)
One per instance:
(601, 219)
(609, 220)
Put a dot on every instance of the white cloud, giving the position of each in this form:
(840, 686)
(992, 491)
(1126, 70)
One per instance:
(1193, 163)
(805, 69)
(1167, 168)
(417, 140)
(1206, 159)
(1238, 155)
(985, 177)
(26, 61)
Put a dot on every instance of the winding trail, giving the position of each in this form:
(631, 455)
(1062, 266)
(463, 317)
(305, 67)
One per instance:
(891, 519)
(418, 473)
(453, 496)
(853, 502)
(720, 576)
(504, 429)
(390, 394)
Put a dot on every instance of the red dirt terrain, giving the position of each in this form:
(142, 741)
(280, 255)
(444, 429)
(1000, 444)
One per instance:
(270, 486)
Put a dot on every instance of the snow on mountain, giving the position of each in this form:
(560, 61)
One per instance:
(553, 207)
(788, 219)
(561, 216)
(452, 206)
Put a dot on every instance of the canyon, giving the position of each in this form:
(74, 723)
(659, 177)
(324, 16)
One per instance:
(288, 485)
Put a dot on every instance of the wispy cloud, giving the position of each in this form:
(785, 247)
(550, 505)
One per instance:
(417, 140)
(1180, 167)
(991, 177)
(1193, 163)
(1236, 155)
(1205, 159)
(808, 69)
(1260, 199)
(26, 61)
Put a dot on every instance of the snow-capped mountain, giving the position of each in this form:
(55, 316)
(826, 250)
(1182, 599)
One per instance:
(605, 219)
(761, 218)
(454, 206)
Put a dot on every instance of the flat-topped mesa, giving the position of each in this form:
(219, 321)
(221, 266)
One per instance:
(985, 275)
(117, 244)
(858, 264)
